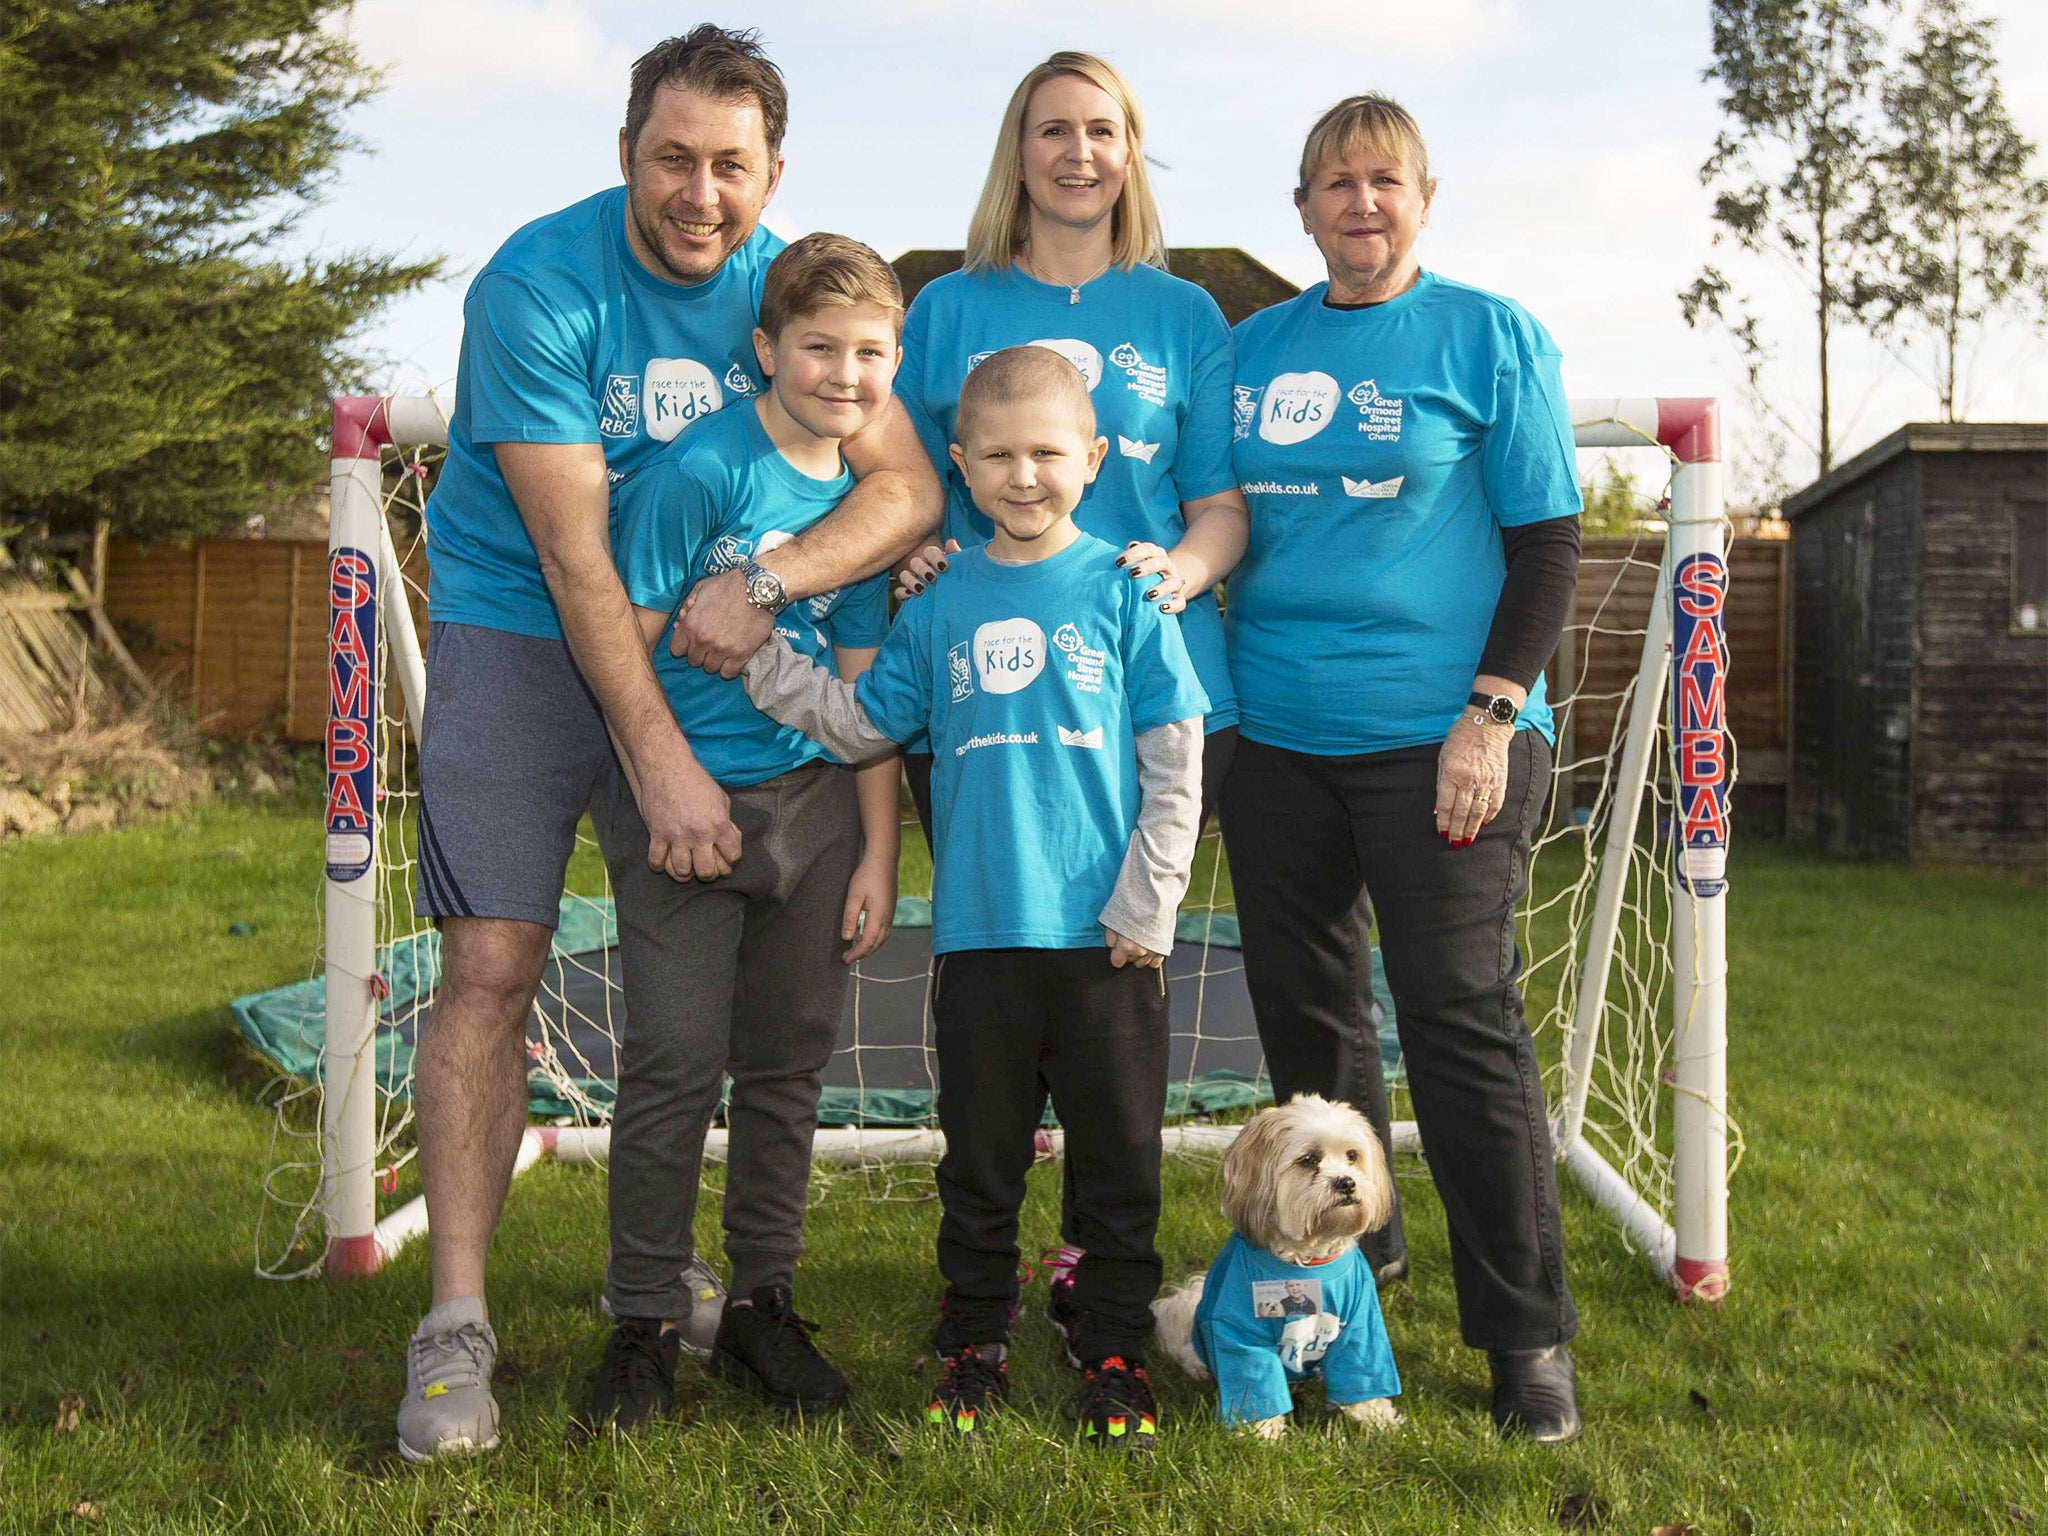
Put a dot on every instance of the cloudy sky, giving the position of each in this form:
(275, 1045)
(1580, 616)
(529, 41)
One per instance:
(1566, 136)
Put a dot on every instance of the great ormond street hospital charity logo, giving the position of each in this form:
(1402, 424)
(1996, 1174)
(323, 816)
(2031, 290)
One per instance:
(1008, 655)
(1297, 406)
(1379, 415)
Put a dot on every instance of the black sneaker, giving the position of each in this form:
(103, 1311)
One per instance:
(1117, 1409)
(768, 1348)
(972, 1380)
(637, 1378)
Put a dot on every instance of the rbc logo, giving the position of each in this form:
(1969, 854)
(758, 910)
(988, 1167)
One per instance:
(961, 672)
(725, 553)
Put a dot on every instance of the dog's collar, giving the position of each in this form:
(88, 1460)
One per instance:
(1316, 1263)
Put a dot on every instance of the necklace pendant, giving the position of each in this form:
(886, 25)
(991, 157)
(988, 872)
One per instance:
(1073, 295)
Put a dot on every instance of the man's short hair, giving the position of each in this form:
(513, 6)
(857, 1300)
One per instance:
(1017, 374)
(724, 65)
(826, 272)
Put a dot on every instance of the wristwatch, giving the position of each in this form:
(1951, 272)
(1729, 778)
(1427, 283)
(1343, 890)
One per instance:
(1497, 708)
(764, 588)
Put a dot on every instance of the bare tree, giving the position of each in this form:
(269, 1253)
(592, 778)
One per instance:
(1958, 226)
(1792, 171)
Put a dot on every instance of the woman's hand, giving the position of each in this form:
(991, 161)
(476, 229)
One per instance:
(1471, 778)
(870, 894)
(923, 568)
(1170, 591)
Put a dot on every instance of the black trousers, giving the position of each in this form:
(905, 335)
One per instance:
(1015, 1027)
(1304, 834)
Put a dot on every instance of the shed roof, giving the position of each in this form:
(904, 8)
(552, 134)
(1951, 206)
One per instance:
(1239, 282)
(1923, 437)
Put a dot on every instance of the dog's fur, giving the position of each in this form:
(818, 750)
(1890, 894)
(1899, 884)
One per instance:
(1301, 1180)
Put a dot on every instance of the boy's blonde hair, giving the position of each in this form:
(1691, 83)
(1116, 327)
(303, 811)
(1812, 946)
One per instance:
(826, 272)
(1024, 373)
(1002, 219)
(1371, 121)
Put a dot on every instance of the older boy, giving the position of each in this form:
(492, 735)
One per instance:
(1066, 724)
(745, 972)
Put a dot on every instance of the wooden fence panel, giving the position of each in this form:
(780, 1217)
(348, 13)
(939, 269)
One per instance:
(238, 628)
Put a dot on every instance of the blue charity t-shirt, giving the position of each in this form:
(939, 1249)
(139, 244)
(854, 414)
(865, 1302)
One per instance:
(567, 338)
(1157, 357)
(1263, 1323)
(1381, 451)
(721, 494)
(1034, 682)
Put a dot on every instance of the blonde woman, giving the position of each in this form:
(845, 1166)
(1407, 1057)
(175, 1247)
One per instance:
(1065, 250)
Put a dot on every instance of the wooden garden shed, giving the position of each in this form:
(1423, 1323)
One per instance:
(1920, 649)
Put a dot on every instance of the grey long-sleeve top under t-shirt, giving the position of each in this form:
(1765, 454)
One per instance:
(1154, 874)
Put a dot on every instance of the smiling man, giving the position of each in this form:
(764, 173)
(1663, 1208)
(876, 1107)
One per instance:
(592, 339)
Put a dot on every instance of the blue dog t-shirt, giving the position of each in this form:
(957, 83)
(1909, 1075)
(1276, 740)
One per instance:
(1263, 1323)
(1035, 682)
(720, 496)
(567, 338)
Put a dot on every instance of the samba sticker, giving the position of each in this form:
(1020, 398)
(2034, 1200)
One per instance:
(351, 714)
(1699, 719)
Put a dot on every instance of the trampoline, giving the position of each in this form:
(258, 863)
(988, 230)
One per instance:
(880, 1075)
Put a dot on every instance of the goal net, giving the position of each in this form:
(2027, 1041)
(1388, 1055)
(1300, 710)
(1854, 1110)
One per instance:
(1622, 934)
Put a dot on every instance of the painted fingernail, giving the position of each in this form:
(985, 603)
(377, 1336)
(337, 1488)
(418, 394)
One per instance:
(1119, 559)
(917, 586)
(942, 565)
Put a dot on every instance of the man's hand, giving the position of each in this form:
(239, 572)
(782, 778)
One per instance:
(690, 833)
(922, 569)
(1123, 951)
(717, 628)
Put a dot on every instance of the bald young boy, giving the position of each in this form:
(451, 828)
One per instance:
(1066, 727)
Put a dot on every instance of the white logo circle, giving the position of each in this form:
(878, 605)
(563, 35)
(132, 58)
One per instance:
(1297, 406)
(678, 391)
(1008, 654)
(1079, 353)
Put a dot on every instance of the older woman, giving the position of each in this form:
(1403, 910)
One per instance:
(1404, 445)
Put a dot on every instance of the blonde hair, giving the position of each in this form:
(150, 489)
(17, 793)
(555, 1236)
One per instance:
(1368, 122)
(1016, 374)
(825, 271)
(1002, 218)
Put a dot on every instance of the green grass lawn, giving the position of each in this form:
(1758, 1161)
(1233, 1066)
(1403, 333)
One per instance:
(1879, 1366)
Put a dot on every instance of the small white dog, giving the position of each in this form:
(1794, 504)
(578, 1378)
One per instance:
(1290, 1295)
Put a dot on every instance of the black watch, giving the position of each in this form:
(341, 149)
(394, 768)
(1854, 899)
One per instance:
(1497, 707)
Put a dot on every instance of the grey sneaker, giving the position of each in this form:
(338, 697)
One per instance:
(448, 1408)
(699, 1331)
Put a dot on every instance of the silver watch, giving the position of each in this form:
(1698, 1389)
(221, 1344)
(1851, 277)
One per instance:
(764, 588)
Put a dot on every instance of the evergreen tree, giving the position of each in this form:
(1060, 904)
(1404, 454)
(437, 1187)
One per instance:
(1961, 216)
(1792, 172)
(161, 365)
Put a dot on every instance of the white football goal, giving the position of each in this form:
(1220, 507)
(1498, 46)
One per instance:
(1623, 935)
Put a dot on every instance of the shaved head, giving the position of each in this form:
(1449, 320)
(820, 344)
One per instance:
(1017, 374)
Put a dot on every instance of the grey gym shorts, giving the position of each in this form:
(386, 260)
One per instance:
(514, 748)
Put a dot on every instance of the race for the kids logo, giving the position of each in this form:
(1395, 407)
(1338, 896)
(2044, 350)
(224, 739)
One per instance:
(676, 392)
(1078, 352)
(1008, 655)
(618, 415)
(351, 713)
(1297, 406)
(1380, 415)
(1084, 662)
(960, 669)
(1145, 380)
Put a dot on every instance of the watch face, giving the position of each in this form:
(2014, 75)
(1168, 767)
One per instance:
(1502, 708)
(765, 591)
